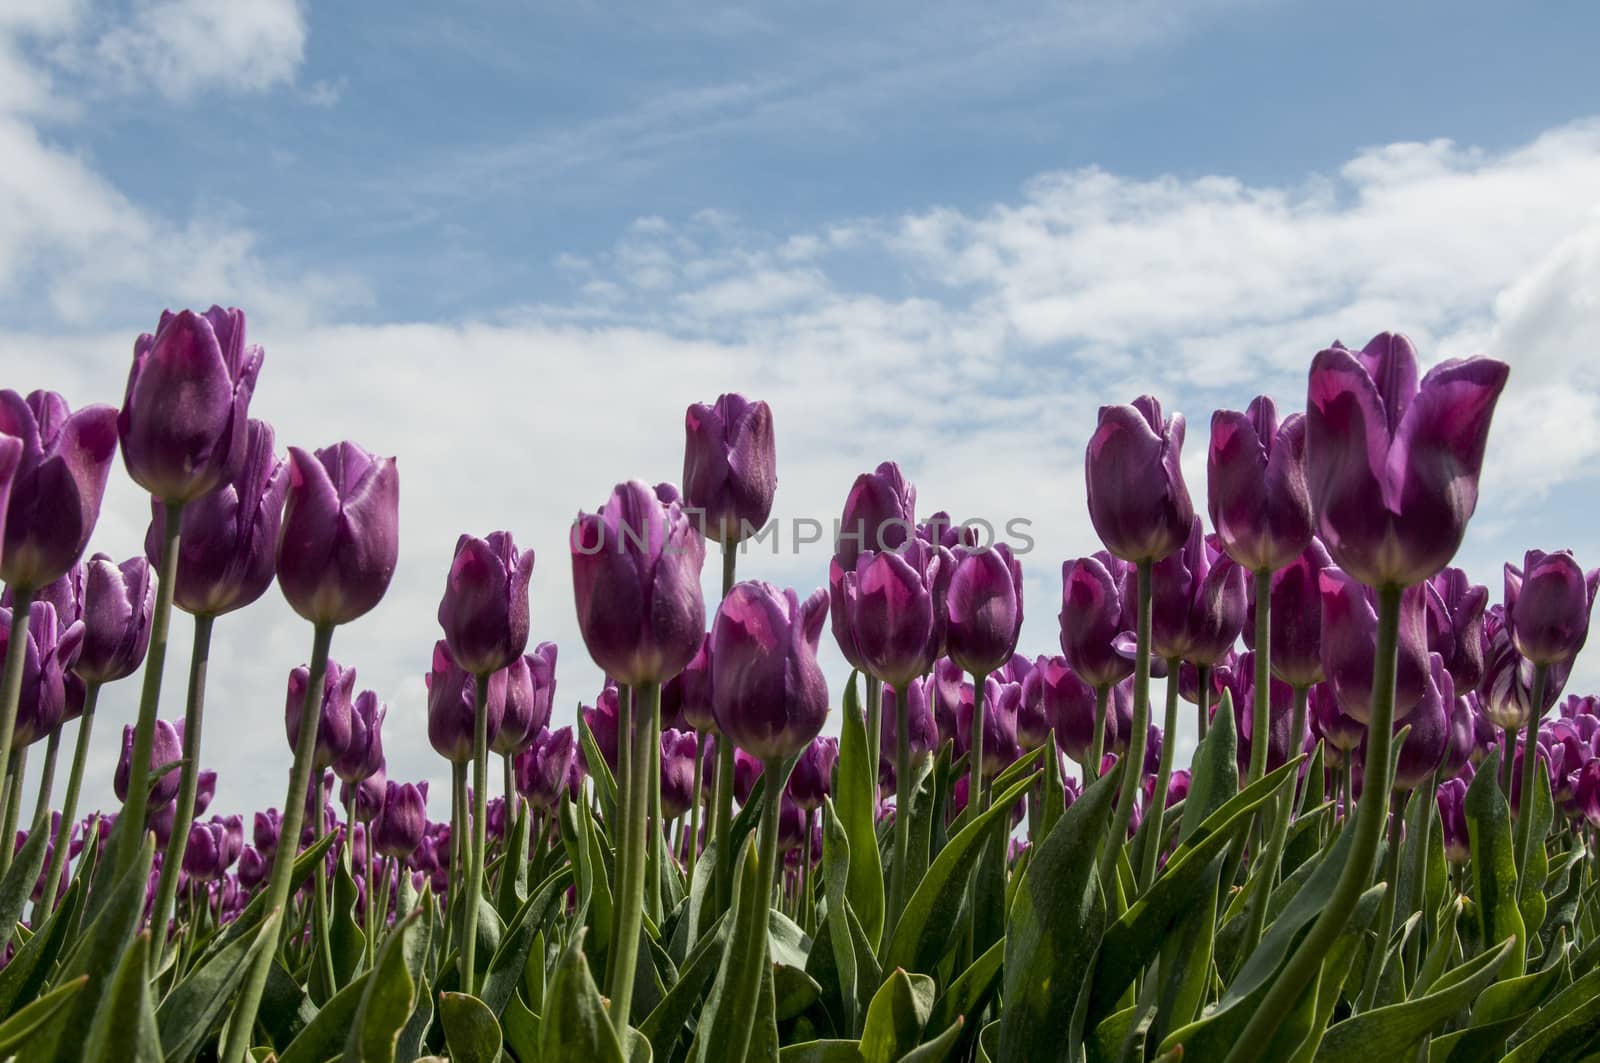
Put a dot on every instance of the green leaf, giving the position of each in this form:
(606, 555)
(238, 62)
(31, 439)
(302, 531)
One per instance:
(940, 1047)
(727, 1021)
(17, 884)
(470, 1029)
(253, 912)
(23, 1023)
(1056, 925)
(856, 790)
(897, 1016)
(1563, 1029)
(605, 786)
(124, 1028)
(666, 1021)
(388, 1000)
(325, 1035)
(31, 964)
(829, 1051)
(510, 960)
(1394, 1032)
(1494, 867)
(575, 1027)
(1213, 772)
(1531, 899)
(970, 989)
(922, 936)
(512, 889)
(191, 1012)
(836, 886)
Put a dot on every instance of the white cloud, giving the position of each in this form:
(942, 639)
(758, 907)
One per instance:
(179, 47)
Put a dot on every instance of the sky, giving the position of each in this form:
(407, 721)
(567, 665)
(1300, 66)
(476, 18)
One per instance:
(510, 243)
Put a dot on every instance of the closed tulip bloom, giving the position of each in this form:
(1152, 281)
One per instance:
(452, 706)
(1296, 617)
(253, 868)
(398, 830)
(265, 829)
(1197, 602)
(1094, 612)
(678, 750)
(1429, 739)
(687, 695)
(484, 611)
(10, 461)
(547, 768)
(922, 732)
(364, 799)
(1033, 725)
(730, 466)
(944, 695)
(1000, 702)
(843, 596)
(166, 748)
(880, 514)
(1256, 485)
(1505, 694)
(1455, 625)
(58, 481)
(1349, 645)
(1330, 723)
(228, 555)
(812, 778)
(204, 857)
(118, 601)
(1282, 743)
(340, 538)
(898, 616)
(1452, 798)
(1458, 750)
(1138, 502)
(768, 693)
(183, 418)
(747, 768)
(636, 577)
(1068, 704)
(530, 686)
(363, 752)
(52, 649)
(205, 788)
(1548, 602)
(984, 608)
(1392, 464)
(602, 721)
(338, 692)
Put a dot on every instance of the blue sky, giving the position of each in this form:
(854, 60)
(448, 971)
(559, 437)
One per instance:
(509, 243)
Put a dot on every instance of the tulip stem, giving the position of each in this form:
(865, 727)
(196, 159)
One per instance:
(10, 697)
(1348, 771)
(242, 1023)
(1306, 960)
(458, 842)
(473, 883)
(1266, 875)
(320, 920)
(1158, 799)
(13, 794)
(806, 907)
(656, 862)
(47, 780)
(69, 803)
(136, 807)
(1203, 707)
(1530, 756)
(183, 814)
(1133, 761)
(1506, 768)
(1097, 744)
(630, 889)
(694, 807)
(875, 728)
(627, 781)
(902, 813)
(724, 823)
(1386, 909)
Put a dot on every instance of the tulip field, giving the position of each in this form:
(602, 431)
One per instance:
(1382, 848)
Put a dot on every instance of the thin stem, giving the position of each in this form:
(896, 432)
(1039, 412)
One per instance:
(1530, 756)
(242, 1024)
(10, 697)
(1204, 706)
(69, 803)
(1158, 800)
(12, 791)
(458, 840)
(1307, 959)
(1133, 761)
(473, 883)
(902, 813)
(47, 780)
(1348, 771)
(875, 729)
(630, 892)
(1097, 744)
(1510, 754)
(1272, 855)
(1260, 721)
(724, 823)
(806, 907)
(656, 862)
(627, 781)
(189, 772)
(319, 891)
(1386, 907)
(694, 806)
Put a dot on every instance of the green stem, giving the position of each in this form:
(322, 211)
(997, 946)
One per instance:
(1510, 754)
(189, 772)
(656, 862)
(69, 804)
(630, 890)
(1348, 771)
(627, 781)
(1306, 960)
(1530, 757)
(458, 842)
(902, 812)
(242, 1023)
(12, 791)
(724, 823)
(1272, 856)
(1386, 908)
(472, 884)
(47, 781)
(319, 891)
(1132, 762)
(1097, 744)
(10, 697)
(875, 730)
(693, 853)
(1203, 707)
(806, 907)
(1158, 800)
(1261, 720)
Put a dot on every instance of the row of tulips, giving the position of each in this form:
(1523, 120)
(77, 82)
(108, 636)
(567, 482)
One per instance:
(1383, 841)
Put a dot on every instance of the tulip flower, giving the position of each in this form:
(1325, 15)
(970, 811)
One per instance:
(768, 693)
(1095, 613)
(252, 869)
(678, 750)
(484, 611)
(1197, 602)
(1455, 625)
(896, 605)
(1137, 498)
(49, 650)
(398, 829)
(1295, 618)
(983, 606)
(166, 750)
(730, 467)
(1548, 602)
(1451, 798)
(547, 769)
(452, 700)
(333, 732)
(880, 514)
(362, 757)
(1256, 485)
(1429, 739)
(812, 778)
(1349, 647)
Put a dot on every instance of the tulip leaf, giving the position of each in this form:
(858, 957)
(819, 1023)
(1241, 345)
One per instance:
(836, 886)
(897, 1016)
(512, 886)
(856, 793)
(1564, 1028)
(388, 999)
(190, 1013)
(521, 1029)
(1494, 868)
(20, 1025)
(253, 912)
(19, 879)
(966, 994)
(666, 1022)
(940, 1047)
(1213, 772)
(30, 966)
(728, 1019)
(512, 957)
(1056, 925)
(1563, 913)
(324, 1037)
(828, 1051)
(922, 936)
(470, 1029)
(1531, 899)
(574, 1027)
(124, 1027)
(605, 784)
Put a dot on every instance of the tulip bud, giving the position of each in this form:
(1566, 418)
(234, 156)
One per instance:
(530, 686)
(1068, 707)
(253, 869)
(730, 466)
(398, 829)
(678, 750)
(897, 610)
(548, 768)
(333, 732)
(1137, 498)
(1452, 798)
(1094, 611)
(57, 480)
(769, 695)
(1197, 602)
(1548, 602)
(1256, 485)
(52, 649)
(1295, 618)
(1349, 645)
(118, 601)
(166, 748)
(341, 535)
(484, 611)
(812, 778)
(880, 514)
(452, 706)
(984, 608)
(363, 752)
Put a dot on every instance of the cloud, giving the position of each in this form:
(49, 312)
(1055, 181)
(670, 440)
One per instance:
(180, 47)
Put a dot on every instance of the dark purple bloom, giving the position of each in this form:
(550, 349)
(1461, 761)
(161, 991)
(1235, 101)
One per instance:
(1281, 742)
(678, 751)
(266, 828)
(341, 532)
(1452, 798)
(363, 752)
(52, 649)
(117, 604)
(57, 483)
(1393, 465)
(1094, 611)
(636, 578)
(484, 611)
(1256, 485)
(333, 731)
(1505, 694)
(548, 768)
(399, 827)
(812, 777)
(896, 602)
(984, 608)
(1548, 602)
(686, 697)
(1000, 701)
(1137, 498)
(1349, 645)
(730, 466)
(1429, 739)
(253, 868)
(920, 727)
(204, 857)
(1455, 625)
(769, 695)
(530, 690)
(1458, 750)
(880, 514)
(166, 748)
(452, 706)
(1068, 704)
(602, 720)
(1296, 617)
(1198, 602)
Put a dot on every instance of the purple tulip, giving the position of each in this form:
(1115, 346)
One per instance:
(1548, 602)
(812, 778)
(1094, 612)
(1282, 743)
(1033, 723)
(205, 788)
(452, 706)
(984, 608)
(896, 609)
(1137, 498)
(530, 687)
(205, 856)
(747, 768)
(1069, 706)
(686, 697)
(398, 830)
(1197, 602)
(1455, 625)
(603, 723)
(253, 869)
(1505, 694)
(678, 751)
(57, 481)
(1349, 645)
(52, 649)
(1256, 485)
(183, 419)
(363, 752)
(1429, 740)
(333, 732)
(769, 695)
(1000, 701)
(548, 768)
(1295, 617)
(730, 466)
(880, 514)
(636, 577)
(341, 532)
(922, 733)
(265, 830)
(166, 748)
(364, 799)
(484, 611)
(1392, 465)
(1459, 748)
(1452, 798)
(118, 601)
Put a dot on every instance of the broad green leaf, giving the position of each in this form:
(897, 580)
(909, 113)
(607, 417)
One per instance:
(521, 1028)
(124, 1027)
(574, 1027)
(897, 1016)
(32, 963)
(509, 961)
(512, 888)
(856, 792)
(970, 989)
(1213, 772)
(23, 1023)
(1494, 867)
(829, 1051)
(940, 1047)
(325, 1035)
(388, 1000)
(1565, 1028)
(836, 887)
(1531, 899)
(666, 1022)
(18, 881)
(728, 1019)
(470, 1029)
(191, 1012)
(1055, 931)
